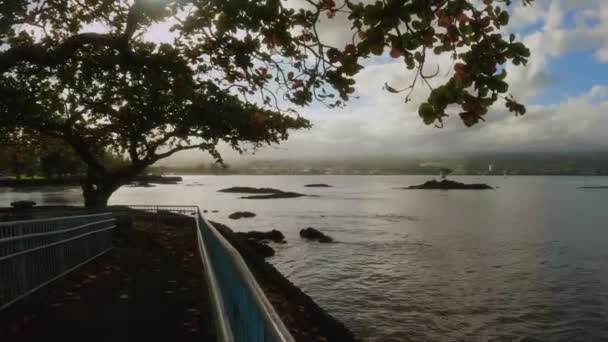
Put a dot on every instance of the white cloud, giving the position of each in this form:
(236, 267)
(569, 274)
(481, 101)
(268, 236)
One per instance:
(381, 123)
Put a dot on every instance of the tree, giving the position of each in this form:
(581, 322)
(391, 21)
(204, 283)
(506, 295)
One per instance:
(58, 159)
(82, 71)
(444, 172)
(20, 153)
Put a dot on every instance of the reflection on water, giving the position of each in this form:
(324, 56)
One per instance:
(526, 261)
(42, 195)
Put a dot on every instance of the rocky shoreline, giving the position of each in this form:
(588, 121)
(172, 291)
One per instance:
(305, 319)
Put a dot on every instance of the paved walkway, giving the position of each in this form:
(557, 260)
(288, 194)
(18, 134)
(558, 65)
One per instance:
(150, 287)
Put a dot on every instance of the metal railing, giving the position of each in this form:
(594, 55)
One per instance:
(242, 310)
(33, 253)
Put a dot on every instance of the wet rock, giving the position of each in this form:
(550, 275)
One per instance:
(250, 190)
(275, 195)
(318, 185)
(273, 235)
(448, 185)
(261, 193)
(141, 184)
(261, 249)
(23, 205)
(311, 233)
(241, 214)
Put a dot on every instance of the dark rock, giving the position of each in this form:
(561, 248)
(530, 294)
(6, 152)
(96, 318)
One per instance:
(141, 184)
(215, 211)
(275, 195)
(241, 214)
(260, 248)
(23, 205)
(320, 185)
(449, 185)
(159, 179)
(273, 235)
(313, 234)
(264, 193)
(249, 190)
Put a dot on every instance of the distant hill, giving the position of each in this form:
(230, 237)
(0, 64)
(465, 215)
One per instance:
(580, 163)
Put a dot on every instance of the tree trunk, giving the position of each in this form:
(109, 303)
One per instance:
(97, 198)
(97, 189)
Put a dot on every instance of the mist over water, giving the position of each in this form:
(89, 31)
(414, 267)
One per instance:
(525, 261)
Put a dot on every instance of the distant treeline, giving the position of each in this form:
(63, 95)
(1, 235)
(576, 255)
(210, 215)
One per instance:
(579, 163)
(44, 158)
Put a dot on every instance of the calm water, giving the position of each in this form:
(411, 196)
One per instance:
(528, 261)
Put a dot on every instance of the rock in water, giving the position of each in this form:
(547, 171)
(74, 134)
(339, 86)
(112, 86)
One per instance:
(273, 235)
(260, 248)
(250, 190)
(23, 205)
(448, 185)
(315, 235)
(261, 193)
(275, 195)
(241, 214)
(318, 185)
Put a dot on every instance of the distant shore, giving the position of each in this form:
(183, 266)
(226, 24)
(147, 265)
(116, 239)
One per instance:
(78, 180)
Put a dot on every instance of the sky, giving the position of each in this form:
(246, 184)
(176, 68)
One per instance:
(564, 86)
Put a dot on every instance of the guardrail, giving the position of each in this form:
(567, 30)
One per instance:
(33, 253)
(242, 310)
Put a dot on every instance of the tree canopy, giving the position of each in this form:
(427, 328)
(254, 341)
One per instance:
(232, 71)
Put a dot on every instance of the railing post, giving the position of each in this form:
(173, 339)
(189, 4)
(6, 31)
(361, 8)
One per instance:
(23, 286)
(61, 253)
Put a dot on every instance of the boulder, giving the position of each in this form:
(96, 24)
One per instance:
(273, 235)
(315, 235)
(23, 205)
(261, 249)
(241, 214)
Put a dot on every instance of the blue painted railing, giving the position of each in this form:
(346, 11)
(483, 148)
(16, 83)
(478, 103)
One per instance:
(241, 309)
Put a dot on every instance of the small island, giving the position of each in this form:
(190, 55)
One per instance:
(318, 185)
(261, 193)
(250, 190)
(446, 184)
(241, 214)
